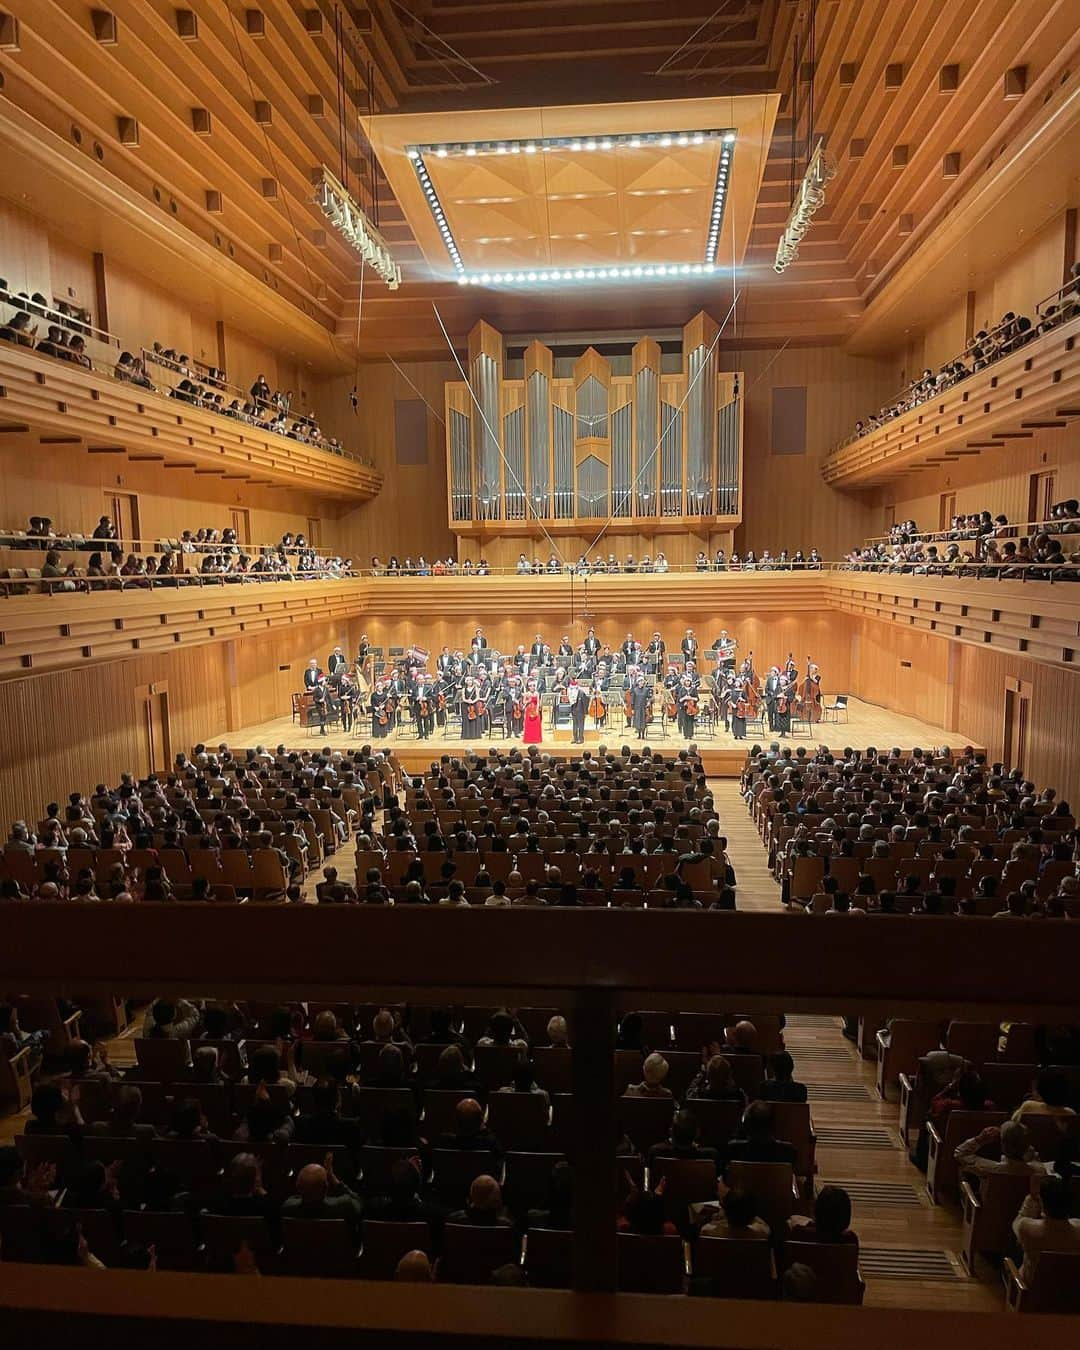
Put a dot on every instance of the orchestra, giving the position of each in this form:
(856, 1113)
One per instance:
(489, 693)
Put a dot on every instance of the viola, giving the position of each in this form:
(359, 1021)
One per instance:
(441, 705)
(481, 707)
(670, 706)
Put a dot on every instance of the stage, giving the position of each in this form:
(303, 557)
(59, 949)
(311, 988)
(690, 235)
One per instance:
(722, 755)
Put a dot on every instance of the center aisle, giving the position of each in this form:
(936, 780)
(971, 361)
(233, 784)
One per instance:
(756, 889)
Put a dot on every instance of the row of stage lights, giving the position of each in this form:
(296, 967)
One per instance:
(664, 139)
(727, 138)
(586, 274)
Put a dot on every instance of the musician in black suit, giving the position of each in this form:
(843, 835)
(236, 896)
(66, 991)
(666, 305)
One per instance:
(479, 640)
(423, 706)
(362, 652)
(656, 654)
(631, 650)
(773, 685)
(320, 706)
(335, 662)
(591, 643)
(444, 662)
(347, 693)
(566, 647)
(312, 675)
(690, 646)
(536, 651)
(579, 703)
(640, 707)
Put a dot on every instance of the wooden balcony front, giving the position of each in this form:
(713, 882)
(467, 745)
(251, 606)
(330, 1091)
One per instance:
(60, 403)
(1036, 386)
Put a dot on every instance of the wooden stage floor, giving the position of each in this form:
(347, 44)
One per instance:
(722, 755)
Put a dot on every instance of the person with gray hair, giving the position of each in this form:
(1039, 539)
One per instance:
(654, 1071)
(1017, 1158)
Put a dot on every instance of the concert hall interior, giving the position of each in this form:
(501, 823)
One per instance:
(608, 463)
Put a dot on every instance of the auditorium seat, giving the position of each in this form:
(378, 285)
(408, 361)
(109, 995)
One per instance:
(687, 1181)
(647, 1120)
(170, 1235)
(942, 1172)
(519, 1120)
(223, 1235)
(1054, 1289)
(900, 1048)
(385, 1243)
(989, 1212)
(318, 1247)
(651, 1265)
(734, 1267)
(552, 1067)
(162, 1060)
(528, 1179)
(454, 1171)
(549, 1258)
(835, 1266)
(471, 1253)
(772, 1185)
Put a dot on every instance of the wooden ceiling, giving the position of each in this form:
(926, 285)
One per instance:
(200, 129)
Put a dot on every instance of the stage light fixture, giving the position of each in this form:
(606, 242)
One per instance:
(809, 199)
(352, 223)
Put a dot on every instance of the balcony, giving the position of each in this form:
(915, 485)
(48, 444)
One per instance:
(1034, 387)
(61, 403)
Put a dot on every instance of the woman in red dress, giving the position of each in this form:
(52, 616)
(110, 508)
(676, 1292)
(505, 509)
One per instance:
(533, 720)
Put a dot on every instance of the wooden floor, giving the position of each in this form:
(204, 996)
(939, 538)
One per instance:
(866, 724)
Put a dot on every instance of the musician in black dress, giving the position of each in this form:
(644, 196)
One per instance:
(782, 716)
(362, 653)
(740, 710)
(320, 706)
(470, 710)
(380, 710)
(640, 707)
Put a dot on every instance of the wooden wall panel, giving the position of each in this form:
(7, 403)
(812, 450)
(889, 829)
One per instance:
(141, 313)
(25, 262)
(681, 549)
(1052, 758)
(785, 502)
(69, 485)
(993, 480)
(68, 731)
(409, 516)
(901, 669)
(1032, 272)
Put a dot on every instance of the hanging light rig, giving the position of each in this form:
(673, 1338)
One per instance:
(351, 221)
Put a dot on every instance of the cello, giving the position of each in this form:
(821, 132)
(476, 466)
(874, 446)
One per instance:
(597, 706)
(810, 700)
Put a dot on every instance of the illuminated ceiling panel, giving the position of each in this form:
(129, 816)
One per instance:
(575, 195)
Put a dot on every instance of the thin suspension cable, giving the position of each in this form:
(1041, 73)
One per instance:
(656, 448)
(498, 444)
(699, 29)
(419, 392)
(442, 42)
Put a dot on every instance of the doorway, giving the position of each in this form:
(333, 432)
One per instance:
(122, 508)
(157, 740)
(241, 523)
(1042, 488)
(1017, 722)
(946, 510)
(314, 532)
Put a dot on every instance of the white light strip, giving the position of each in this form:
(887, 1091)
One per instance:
(557, 275)
(587, 275)
(530, 146)
(350, 220)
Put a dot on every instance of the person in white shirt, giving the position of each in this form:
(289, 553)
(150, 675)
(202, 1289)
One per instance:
(1044, 1224)
(1017, 1157)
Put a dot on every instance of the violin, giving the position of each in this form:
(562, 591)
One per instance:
(517, 711)
(441, 704)
(481, 707)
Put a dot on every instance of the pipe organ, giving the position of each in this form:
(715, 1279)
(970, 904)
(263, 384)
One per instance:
(648, 449)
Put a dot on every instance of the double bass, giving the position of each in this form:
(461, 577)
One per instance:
(809, 708)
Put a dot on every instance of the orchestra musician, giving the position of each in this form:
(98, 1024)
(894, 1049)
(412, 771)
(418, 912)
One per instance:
(811, 694)
(445, 687)
(347, 694)
(514, 708)
(640, 706)
(725, 650)
(479, 640)
(312, 675)
(423, 705)
(319, 710)
(781, 722)
(577, 699)
(740, 709)
(656, 654)
(631, 650)
(566, 647)
(444, 662)
(472, 711)
(774, 683)
(690, 646)
(335, 662)
(536, 651)
(597, 700)
(688, 707)
(591, 645)
(381, 710)
(363, 651)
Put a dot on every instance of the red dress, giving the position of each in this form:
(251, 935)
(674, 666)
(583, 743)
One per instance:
(533, 723)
